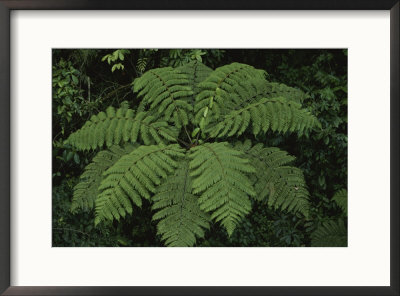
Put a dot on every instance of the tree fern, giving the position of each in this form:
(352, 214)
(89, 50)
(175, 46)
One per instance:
(86, 191)
(197, 180)
(275, 182)
(181, 218)
(220, 177)
(133, 177)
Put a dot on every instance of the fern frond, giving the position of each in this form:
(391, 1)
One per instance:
(280, 185)
(121, 125)
(133, 177)
(180, 217)
(277, 114)
(220, 176)
(256, 89)
(330, 234)
(221, 85)
(167, 92)
(86, 191)
(340, 198)
(196, 72)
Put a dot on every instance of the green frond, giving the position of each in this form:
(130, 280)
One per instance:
(277, 114)
(251, 91)
(221, 86)
(219, 173)
(340, 198)
(116, 126)
(280, 185)
(275, 90)
(330, 234)
(86, 191)
(133, 177)
(166, 91)
(180, 218)
(196, 72)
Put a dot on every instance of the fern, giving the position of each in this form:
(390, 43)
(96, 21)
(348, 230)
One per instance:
(133, 177)
(86, 191)
(196, 73)
(166, 91)
(114, 127)
(281, 186)
(275, 114)
(180, 217)
(330, 234)
(220, 86)
(190, 181)
(220, 176)
(340, 198)
(256, 89)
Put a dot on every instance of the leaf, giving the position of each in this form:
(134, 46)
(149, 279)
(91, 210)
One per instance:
(220, 176)
(180, 218)
(133, 177)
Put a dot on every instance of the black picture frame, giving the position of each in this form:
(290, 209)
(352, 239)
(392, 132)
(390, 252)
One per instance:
(7, 6)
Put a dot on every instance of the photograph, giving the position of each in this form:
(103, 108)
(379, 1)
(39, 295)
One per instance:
(187, 147)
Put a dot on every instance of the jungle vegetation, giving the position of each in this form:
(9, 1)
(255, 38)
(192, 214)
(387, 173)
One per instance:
(199, 147)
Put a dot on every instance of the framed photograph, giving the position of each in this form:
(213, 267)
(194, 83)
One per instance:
(242, 148)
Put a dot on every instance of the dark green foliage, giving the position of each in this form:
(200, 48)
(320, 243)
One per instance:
(330, 234)
(340, 198)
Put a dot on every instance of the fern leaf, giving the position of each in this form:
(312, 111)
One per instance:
(180, 217)
(340, 198)
(166, 91)
(280, 185)
(133, 177)
(221, 85)
(86, 191)
(330, 234)
(121, 125)
(196, 72)
(251, 91)
(220, 176)
(277, 114)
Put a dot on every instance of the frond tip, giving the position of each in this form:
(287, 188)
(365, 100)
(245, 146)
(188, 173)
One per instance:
(114, 127)
(86, 191)
(219, 173)
(280, 185)
(180, 217)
